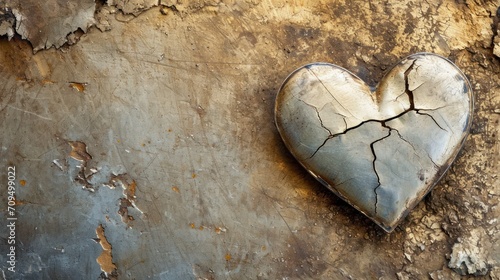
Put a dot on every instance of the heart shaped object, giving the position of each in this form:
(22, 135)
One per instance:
(381, 150)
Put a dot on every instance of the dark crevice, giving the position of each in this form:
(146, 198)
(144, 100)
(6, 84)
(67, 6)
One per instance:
(321, 121)
(425, 114)
(321, 146)
(373, 162)
(407, 87)
(433, 109)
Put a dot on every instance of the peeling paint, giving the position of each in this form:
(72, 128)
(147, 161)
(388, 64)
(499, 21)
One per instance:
(46, 24)
(79, 151)
(105, 259)
(129, 187)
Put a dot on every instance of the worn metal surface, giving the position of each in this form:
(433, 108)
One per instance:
(160, 132)
(45, 24)
(381, 150)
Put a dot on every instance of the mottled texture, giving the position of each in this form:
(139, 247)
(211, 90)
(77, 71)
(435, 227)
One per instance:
(379, 150)
(182, 101)
(47, 23)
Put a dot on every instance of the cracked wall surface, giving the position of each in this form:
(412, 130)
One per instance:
(177, 97)
(45, 24)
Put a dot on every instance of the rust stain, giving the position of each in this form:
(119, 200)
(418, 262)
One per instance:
(303, 192)
(20, 202)
(47, 82)
(105, 260)
(130, 190)
(227, 257)
(79, 151)
(22, 182)
(193, 175)
(192, 225)
(220, 230)
(175, 189)
(80, 87)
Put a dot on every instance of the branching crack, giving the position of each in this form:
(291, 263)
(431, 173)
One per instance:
(374, 167)
(425, 114)
(401, 137)
(321, 121)
(407, 91)
(407, 87)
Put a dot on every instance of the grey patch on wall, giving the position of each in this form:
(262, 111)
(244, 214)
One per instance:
(46, 24)
(53, 23)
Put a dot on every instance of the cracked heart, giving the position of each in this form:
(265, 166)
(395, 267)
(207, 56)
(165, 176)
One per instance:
(381, 150)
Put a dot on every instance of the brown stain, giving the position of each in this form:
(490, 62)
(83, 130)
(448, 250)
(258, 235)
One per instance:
(130, 190)
(15, 57)
(220, 230)
(192, 225)
(105, 260)
(20, 202)
(193, 175)
(123, 210)
(80, 87)
(175, 189)
(22, 183)
(79, 151)
(227, 257)
(41, 65)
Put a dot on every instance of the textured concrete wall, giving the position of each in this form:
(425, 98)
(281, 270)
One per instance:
(145, 145)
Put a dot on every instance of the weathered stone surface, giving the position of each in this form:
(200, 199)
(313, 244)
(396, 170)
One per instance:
(134, 6)
(48, 23)
(469, 257)
(180, 99)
